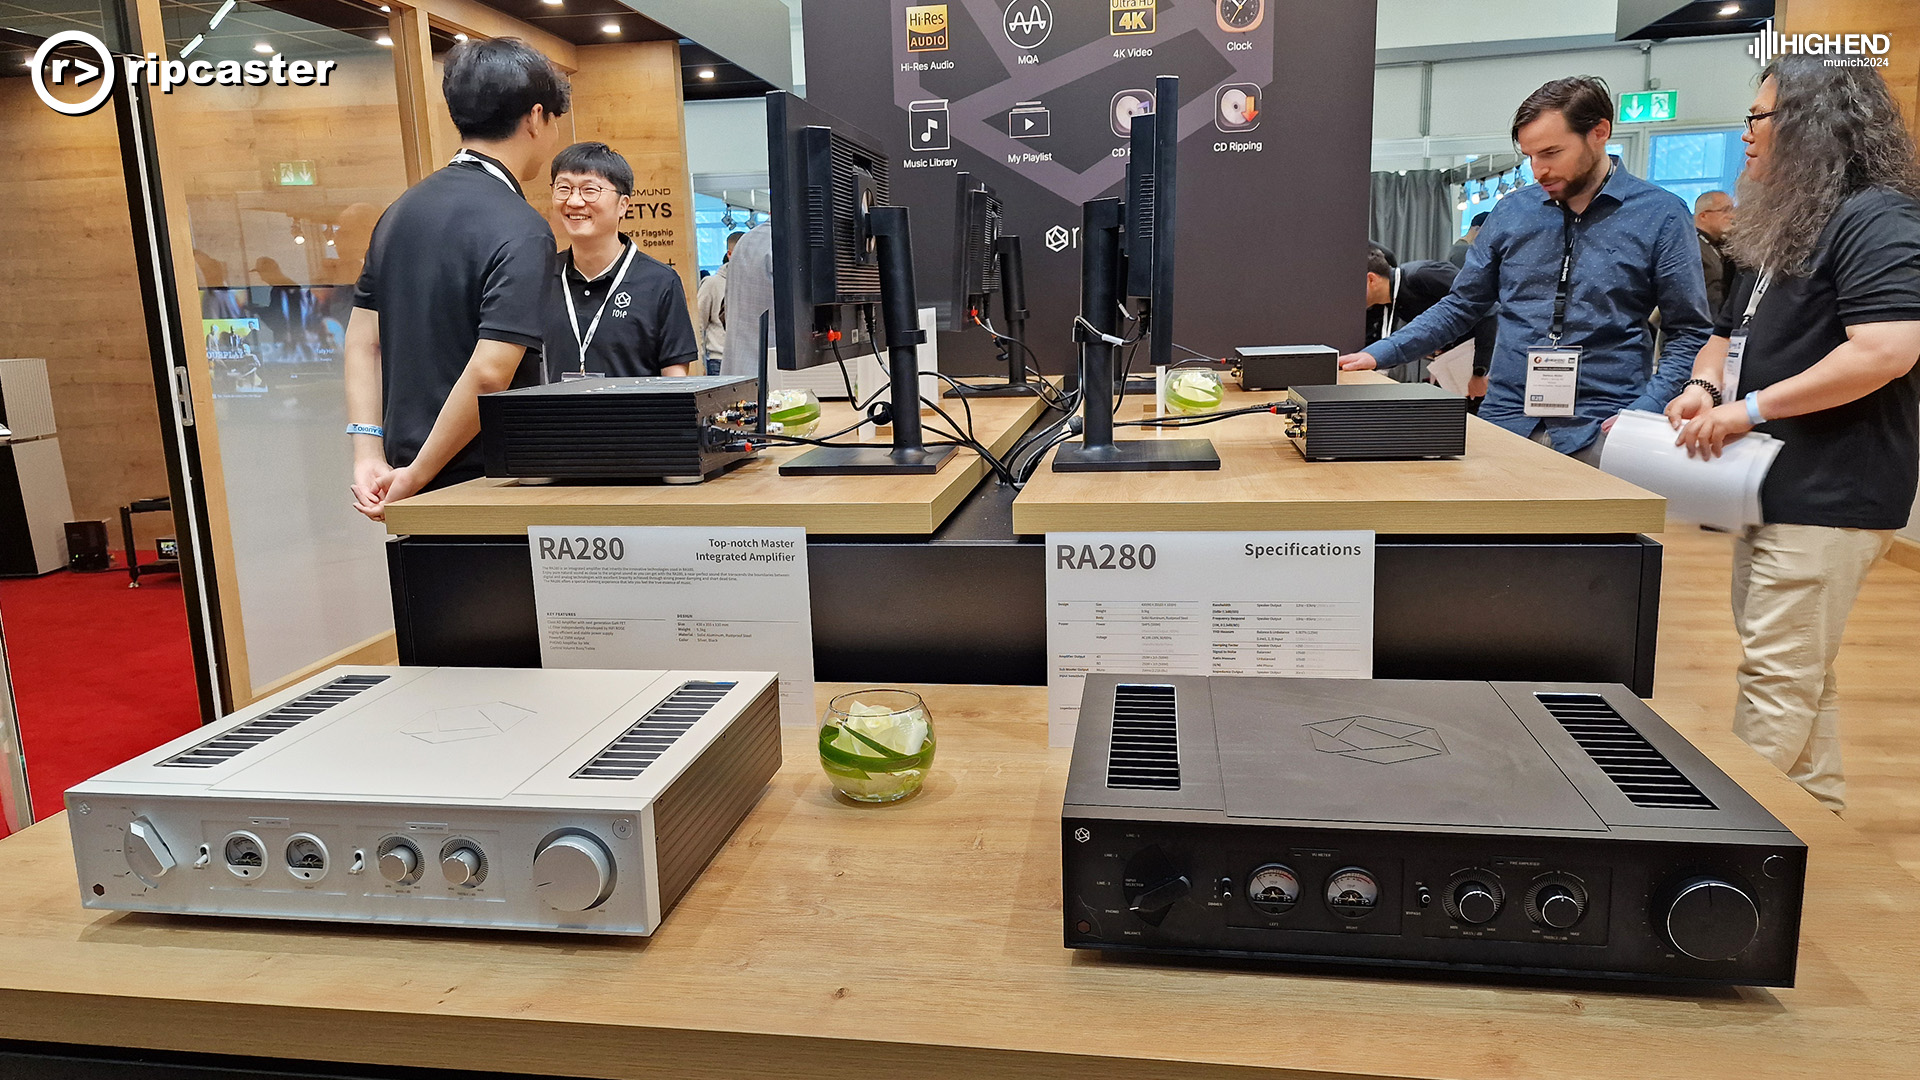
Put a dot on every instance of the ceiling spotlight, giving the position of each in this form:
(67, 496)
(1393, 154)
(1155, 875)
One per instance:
(385, 10)
(383, 41)
(1460, 206)
(192, 45)
(298, 239)
(1730, 9)
(459, 37)
(706, 73)
(553, 3)
(263, 48)
(611, 28)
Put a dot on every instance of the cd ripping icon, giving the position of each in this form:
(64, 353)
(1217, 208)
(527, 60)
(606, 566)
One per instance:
(1237, 107)
(1128, 104)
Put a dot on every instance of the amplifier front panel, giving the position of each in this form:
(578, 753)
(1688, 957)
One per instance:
(511, 868)
(1519, 903)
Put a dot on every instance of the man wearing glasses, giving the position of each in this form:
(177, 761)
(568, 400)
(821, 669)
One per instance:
(620, 311)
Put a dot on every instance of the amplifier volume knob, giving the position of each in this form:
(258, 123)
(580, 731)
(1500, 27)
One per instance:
(1710, 919)
(1474, 897)
(573, 872)
(400, 862)
(147, 854)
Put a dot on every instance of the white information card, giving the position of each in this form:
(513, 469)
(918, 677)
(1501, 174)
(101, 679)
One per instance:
(1204, 603)
(672, 597)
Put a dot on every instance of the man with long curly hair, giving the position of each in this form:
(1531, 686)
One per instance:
(1816, 346)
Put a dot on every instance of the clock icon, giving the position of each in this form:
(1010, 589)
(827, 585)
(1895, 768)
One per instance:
(1239, 16)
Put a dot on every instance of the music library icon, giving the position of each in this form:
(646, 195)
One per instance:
(1028, 120)
(927, 125)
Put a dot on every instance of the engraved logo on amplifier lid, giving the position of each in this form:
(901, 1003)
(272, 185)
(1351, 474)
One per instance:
(1371, 738)
(465, 722)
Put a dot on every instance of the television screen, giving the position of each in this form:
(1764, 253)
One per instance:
(268, 336)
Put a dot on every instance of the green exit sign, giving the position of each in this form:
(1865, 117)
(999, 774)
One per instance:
(1649, 107)
(294, 174)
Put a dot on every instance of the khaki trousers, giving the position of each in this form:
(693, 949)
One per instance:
(1793, 587)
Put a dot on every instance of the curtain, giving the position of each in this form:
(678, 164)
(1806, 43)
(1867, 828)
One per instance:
(1408, 214)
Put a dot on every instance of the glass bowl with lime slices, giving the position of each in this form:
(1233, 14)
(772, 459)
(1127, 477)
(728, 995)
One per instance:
(793, 412)
(877, 745)
(1192, 391)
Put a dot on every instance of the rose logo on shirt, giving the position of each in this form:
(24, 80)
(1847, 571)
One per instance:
(621, 300)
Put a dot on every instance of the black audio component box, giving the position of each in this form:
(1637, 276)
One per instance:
(1377, 422)
(1278, 367)
(1548, 829)
(614, 429)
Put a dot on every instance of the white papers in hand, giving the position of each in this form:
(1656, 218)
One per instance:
(1723, 491)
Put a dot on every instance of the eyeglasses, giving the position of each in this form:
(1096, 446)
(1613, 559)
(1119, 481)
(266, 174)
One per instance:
(587, 192)
(1752, 117)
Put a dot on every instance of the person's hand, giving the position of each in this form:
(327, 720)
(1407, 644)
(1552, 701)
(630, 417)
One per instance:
(1477, 386)
(404, 482)
(1358, 361)
(371, 478)
(1692, 401)
(1708, 433)
(1606, 426)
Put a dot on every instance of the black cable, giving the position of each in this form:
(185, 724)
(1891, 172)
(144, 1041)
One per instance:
(1201, 355)
(1125, 370)
(1277, 408)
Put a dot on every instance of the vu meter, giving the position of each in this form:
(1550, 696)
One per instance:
(1236, 107)
(1239, 16)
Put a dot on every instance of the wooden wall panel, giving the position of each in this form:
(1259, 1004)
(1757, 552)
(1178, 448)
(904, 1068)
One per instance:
(68, 292)
(1898, 19)
(628, 96)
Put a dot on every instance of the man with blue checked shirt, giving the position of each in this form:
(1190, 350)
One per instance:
(1577, 264)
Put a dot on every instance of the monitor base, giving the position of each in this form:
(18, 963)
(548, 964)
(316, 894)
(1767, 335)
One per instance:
(868, 461)
(1159, 455)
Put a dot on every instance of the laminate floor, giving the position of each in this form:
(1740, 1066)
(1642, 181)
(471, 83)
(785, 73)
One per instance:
(1879, 672)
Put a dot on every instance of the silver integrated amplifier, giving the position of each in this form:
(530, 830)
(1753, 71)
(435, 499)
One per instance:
(527, 799)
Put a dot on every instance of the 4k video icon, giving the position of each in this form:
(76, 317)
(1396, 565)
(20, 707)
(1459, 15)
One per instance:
(1132, 16)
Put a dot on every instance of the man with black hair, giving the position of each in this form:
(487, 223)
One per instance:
(452, 301)
(620, 312)
(1577, 264)
(1398, 293)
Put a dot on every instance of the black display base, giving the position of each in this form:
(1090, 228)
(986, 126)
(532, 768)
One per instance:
(1159, 455)
(1007, 389)
(869, 461)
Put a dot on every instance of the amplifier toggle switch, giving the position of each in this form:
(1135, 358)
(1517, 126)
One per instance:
(1474, 897)
(147, 854)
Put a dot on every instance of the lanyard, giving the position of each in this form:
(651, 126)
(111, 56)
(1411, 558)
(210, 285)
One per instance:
(465, 157)
(573, 319)
(1559, 325)
(1753, 302)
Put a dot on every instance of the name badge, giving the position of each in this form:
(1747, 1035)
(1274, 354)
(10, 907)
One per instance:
(571, 376)
(1736, 348)
(1552, 376)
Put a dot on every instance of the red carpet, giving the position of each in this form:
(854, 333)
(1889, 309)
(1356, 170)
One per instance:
(101, 673)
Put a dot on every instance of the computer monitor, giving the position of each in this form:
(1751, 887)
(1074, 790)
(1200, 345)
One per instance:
(986, 260)
(1127, 253)
(842, 274)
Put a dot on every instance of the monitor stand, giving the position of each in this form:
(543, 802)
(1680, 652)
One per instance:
(1013, 303)
(909, 454)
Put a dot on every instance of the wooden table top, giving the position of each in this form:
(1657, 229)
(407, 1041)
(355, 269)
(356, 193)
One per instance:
(753, 494)
(830, 940)
(1504, 484)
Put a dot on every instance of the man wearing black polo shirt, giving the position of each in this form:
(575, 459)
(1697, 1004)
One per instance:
(452, 300)
(1817, 346)
(620, 311)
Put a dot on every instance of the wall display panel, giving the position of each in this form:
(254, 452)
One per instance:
(1036, 98)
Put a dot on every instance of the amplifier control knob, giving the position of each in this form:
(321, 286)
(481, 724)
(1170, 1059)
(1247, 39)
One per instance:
(400, 862)
(147, 854)
(573, 872)
(1162, 895)
(463, 864)
(1557, 905)
(1711, 919)
(1474, 897)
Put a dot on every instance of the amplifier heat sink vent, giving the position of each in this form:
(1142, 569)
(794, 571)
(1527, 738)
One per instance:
(1641, 772)
(1144, 749)
(629, 755)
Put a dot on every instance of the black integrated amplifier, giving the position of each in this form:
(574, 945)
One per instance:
(614, 429)
(1557, 829)
(1277, 367)
(1377, 422)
